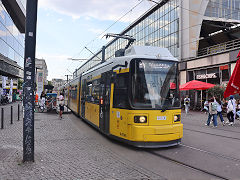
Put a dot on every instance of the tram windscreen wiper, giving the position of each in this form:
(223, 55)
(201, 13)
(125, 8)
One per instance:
(164, 108)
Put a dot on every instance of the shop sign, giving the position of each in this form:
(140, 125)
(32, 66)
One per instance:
(224, 67)
(206, 76)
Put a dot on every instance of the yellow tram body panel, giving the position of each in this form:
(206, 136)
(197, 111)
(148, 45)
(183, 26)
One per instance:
(74, 103)
(154, 130)
(156, 134)
(92, 113)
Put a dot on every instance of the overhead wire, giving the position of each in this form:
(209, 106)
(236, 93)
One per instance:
(216, 18)
(106, 29)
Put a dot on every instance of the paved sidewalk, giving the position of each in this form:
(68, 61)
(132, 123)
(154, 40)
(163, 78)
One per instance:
(62, 151)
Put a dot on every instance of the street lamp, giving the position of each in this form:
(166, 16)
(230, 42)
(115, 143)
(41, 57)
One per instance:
(68, 76)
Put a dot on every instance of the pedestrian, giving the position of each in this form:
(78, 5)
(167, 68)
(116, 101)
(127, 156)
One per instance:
(61, 105)
(205, 106)
(231, 110)
(212, 113)
(219, 110)
(43, 99)
(238, 109)
(187, 104)
(36, 101)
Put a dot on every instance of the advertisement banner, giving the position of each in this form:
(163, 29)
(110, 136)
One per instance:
(4, 81)
(40, 83)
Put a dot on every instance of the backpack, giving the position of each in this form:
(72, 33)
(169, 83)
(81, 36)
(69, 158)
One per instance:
(214, 106)
(230, 107)
(187, 101)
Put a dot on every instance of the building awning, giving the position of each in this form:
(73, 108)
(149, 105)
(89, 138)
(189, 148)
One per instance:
(217, 32)
(17, 13)
(10, 68)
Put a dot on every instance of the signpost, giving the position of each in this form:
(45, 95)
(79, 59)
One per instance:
(29, 81)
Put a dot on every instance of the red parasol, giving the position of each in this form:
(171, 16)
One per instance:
(197, 85)
(233, 86)
(172, 85)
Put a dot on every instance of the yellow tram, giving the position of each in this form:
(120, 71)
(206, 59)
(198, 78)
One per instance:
(133, 98)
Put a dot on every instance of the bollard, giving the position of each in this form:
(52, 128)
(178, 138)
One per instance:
(11, 115)
(18, 112)
(2, 117)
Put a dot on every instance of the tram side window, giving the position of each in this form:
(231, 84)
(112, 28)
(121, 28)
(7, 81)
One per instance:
(84, 84)
(95, 90)
(73, 92)
(92, 91)
(120, 96)
(88, 94)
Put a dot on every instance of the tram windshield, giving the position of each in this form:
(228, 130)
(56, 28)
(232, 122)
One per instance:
(154, 84)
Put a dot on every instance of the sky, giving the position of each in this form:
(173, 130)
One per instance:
(64, 28)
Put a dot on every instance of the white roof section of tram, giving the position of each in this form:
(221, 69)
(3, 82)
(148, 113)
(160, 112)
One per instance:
(160, 53)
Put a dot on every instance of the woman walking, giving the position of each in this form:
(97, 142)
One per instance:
(61, 105)
(212, 113)
(219, 110)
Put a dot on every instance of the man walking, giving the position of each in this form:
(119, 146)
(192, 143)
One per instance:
(231, 110)
(187, 104)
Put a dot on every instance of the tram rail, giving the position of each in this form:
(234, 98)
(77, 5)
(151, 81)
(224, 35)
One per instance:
(211, 134)
(187, 165)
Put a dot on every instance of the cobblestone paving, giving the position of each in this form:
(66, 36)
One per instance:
(62, 151)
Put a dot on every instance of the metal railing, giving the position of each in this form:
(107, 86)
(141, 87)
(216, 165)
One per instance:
(219, 48)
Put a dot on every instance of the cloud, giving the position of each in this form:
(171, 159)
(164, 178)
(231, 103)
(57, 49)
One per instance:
(58, 64)
(95, 30)
(102, 10)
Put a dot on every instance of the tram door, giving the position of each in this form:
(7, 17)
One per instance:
(79, 96)
(83, 98)
(104, 111)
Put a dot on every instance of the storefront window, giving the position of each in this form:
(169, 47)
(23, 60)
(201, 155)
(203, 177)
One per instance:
(225, 75)
(201, 75)
(213, 75)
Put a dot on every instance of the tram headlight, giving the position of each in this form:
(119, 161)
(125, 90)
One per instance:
(140, 119)
(177, 118)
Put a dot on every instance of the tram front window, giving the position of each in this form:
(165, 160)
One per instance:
(154, 84)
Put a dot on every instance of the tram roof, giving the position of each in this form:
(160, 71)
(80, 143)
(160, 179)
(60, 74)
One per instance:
(145, 52)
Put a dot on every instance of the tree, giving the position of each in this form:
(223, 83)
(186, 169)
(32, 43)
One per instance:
(50, 83)
(217, 91)
(20, 83)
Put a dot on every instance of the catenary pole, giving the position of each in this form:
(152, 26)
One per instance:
(29, 79)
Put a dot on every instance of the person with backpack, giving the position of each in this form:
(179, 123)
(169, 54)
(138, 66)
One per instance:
(231, 110)
(212, 113)
(187, 104)
(219, 110)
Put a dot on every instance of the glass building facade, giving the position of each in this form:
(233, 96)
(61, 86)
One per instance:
(229, 9)
(23, 4)
(157, 27)
(11, 40)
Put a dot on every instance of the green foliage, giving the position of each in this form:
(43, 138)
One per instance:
(50, 83)
(20, 83)
(216, 91)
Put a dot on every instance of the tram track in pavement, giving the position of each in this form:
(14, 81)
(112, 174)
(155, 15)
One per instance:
(166, 157)
(211, 134)
(211, 153)
(218, 128)
(178, 162)
(188, 165)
